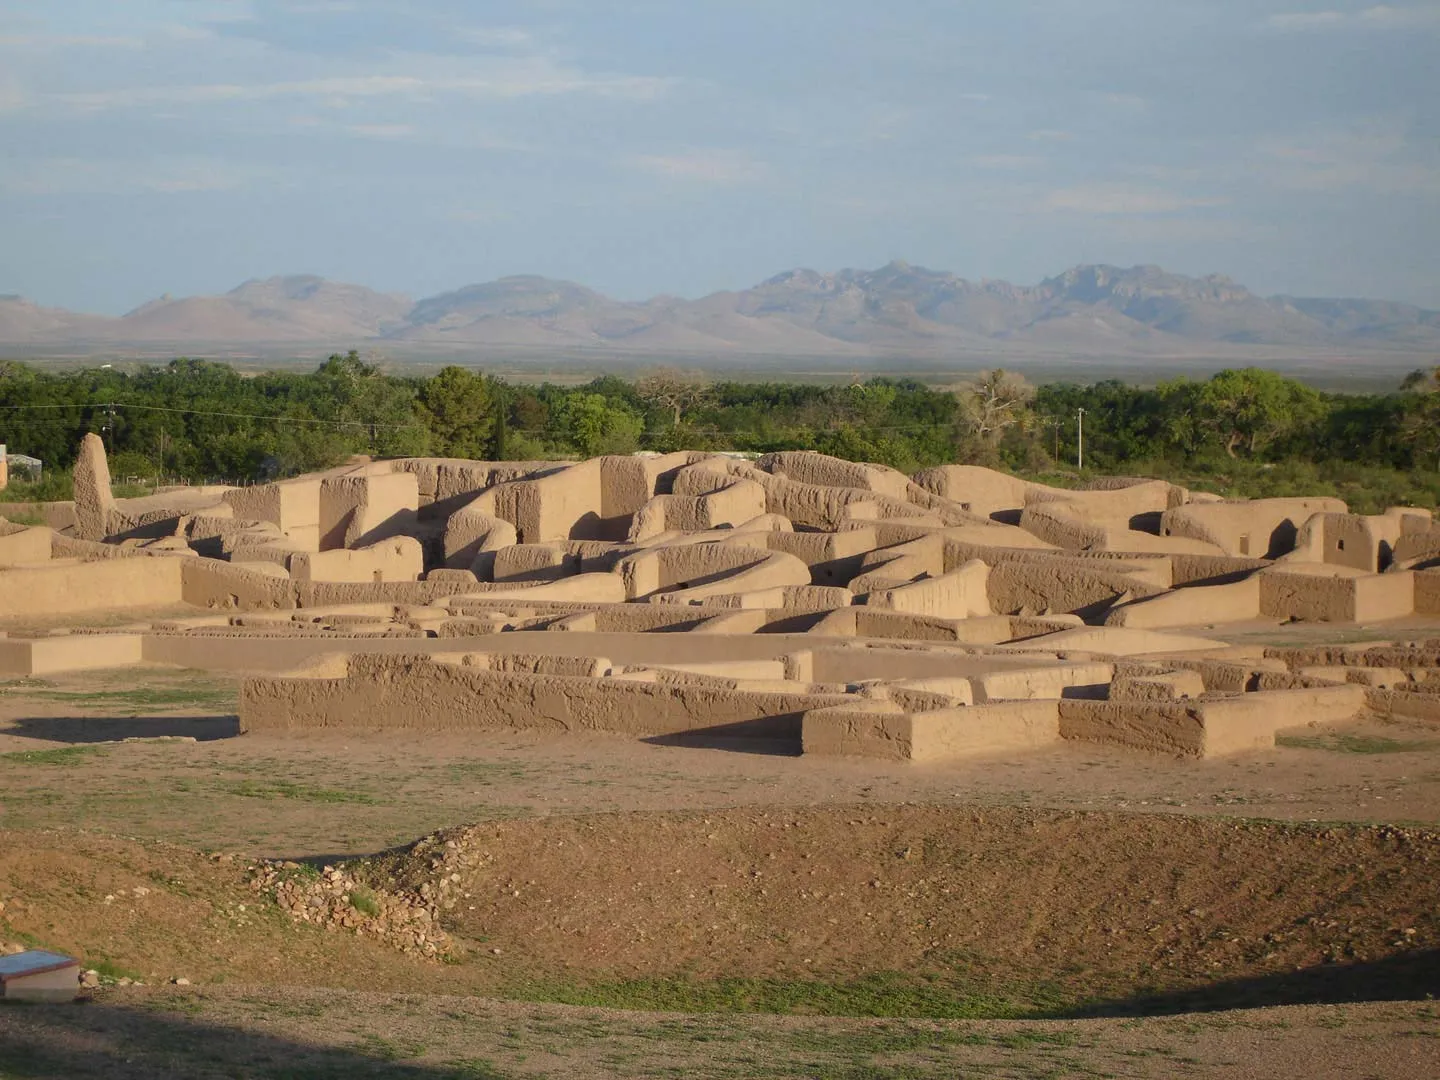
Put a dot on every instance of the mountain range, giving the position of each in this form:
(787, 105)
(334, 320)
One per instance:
(897, 310)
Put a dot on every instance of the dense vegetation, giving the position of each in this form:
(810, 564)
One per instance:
(1243, 433)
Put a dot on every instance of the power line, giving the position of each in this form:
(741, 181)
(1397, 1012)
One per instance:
(229, 415)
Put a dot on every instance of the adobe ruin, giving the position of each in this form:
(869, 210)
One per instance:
(836, 607)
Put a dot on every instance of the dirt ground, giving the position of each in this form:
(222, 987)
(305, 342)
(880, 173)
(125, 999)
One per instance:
(328, 1035)
(63, 762)
(708, 879)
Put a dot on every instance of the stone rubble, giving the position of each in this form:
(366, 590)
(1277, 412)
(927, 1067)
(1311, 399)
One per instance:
(335, 899)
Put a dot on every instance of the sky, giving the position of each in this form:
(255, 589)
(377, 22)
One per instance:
(687, 146)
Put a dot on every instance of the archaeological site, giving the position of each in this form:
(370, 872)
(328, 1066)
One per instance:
(842, 608)
(675, 725)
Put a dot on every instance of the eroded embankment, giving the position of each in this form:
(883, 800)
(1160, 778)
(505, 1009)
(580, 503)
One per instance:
(900, 910)
(1070, 906)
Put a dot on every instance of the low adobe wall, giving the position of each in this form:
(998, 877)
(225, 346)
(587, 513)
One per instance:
(400, 558)
(413, 693)
(1427, 592)
(1208, 728)
(1238, 601)
(1319, 597)
(68, 652)
(72, 588)
(871, 730)
(1055, 584)
(21, 544)
(56, 515)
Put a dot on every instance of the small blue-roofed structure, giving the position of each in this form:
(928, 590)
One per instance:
(39, 975)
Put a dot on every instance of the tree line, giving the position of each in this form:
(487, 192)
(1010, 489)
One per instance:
(1242, 432)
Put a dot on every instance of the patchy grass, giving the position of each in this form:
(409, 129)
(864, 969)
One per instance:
(285, 789)
(1354, 744)
(62, 755)
(363, 900)
(207, 696)
(885, 994)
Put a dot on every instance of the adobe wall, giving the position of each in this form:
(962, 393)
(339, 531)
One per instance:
(812, 468)
(1300, 592)
(1427, 592)
(445, 480)
(534, 562)
(1061, 585)
(701, 501)
(21, 544)
(56, 515)
(292, 506)
(1133, 506)
(358, 510)
(1086, 679)
(1057, 523)
(684, 566)
(409, 693)
(774, 570)
(400, 558)
(94, 504)
(68, 652)
(878, 730)
(981, 491)
(959, 594)
(472, 537)
(833, 557)
(1235, 602)
(64, 588)
(1260, 527)
(1210, 728)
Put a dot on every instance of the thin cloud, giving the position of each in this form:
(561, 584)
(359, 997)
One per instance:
(381, 131)
(1377, 159)
(704, 166)
(1379, 17)
(1123, 200)
(521, 82)
(69, 41)
(1007, 161)
(172, 176)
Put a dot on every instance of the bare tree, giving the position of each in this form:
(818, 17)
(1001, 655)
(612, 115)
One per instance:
(997, 400)
(670, 388)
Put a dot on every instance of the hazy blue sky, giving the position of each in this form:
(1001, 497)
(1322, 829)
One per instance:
(685, 146)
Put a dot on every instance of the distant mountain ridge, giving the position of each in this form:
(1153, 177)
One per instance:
(897, 309)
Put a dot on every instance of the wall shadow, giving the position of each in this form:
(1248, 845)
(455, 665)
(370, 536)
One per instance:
(725, 738)
(1411, 976)
(120, 1042)
(79, 730)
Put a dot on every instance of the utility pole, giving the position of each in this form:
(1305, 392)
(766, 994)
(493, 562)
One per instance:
(1080, 438)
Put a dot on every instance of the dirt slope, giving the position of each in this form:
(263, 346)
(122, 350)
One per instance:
(1094, 904)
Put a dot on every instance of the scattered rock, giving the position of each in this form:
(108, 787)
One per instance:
(335, 898)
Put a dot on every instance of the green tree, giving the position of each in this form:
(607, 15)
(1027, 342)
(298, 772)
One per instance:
(1252, 408)
(459, 409)
(1420, 425)
(594, 425)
